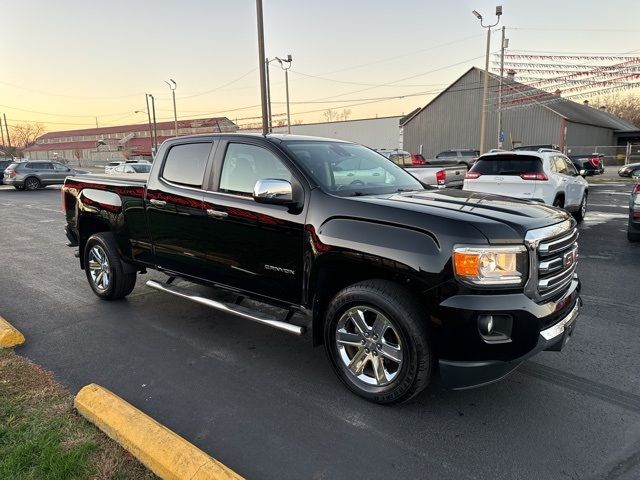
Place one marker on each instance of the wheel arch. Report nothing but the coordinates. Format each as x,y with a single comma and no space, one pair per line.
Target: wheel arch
87,226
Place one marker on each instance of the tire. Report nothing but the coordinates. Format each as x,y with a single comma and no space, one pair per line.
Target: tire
559,202
115,283
31,183
397,344
582,210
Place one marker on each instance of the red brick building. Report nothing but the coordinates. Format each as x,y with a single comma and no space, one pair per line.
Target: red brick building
117,143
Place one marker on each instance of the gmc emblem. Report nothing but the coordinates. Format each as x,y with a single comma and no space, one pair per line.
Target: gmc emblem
570,258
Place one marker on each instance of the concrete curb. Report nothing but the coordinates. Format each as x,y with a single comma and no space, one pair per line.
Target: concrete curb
9,335
164,452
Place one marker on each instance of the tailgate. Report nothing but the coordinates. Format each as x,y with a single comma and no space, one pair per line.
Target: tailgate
507,185
455,175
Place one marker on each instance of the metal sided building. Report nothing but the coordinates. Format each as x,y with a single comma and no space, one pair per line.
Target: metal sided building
529,116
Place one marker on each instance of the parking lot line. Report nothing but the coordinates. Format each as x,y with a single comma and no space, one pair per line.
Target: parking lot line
164,452
9,335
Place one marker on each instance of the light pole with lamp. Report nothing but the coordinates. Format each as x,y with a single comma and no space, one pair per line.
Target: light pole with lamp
173,86
261,63
155,126
150,127
485,88
286,68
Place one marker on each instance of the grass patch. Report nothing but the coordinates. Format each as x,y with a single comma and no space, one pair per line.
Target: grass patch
42,436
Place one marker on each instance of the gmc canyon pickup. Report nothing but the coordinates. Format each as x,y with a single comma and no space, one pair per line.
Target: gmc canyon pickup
397,281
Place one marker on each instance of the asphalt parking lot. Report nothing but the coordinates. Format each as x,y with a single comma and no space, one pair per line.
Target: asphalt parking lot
267,405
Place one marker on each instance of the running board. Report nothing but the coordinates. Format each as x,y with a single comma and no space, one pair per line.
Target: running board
229,308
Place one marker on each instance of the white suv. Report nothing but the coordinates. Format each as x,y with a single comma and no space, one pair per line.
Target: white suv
545,176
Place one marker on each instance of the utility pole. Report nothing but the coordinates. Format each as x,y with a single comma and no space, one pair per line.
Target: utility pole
6,128
268,81
503,45
288,61
155,126
263,77
2,132
97,123
173,86
485,88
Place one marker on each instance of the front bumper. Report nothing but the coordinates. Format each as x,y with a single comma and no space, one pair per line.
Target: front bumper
462,374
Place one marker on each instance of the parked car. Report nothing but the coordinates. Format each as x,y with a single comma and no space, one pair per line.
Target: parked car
429,173
131,168
32,175
545,176
3,165
402,157
111,165
629,170
457,156
536,148
588,163
391,277
633,230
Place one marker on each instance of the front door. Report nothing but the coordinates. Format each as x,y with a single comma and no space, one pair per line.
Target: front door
251,246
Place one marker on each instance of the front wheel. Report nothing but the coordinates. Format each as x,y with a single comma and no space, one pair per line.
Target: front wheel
104,268
377,339
582,210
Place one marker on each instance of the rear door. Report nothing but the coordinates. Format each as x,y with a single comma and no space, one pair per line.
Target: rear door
174,207
42,170
504,174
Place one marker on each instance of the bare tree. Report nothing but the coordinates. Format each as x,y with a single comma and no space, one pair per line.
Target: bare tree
346,113
626,107
329,115
24,135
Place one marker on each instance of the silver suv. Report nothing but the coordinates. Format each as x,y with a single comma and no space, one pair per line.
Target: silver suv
34,175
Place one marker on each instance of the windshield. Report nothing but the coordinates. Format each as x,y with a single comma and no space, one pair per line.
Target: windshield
141,168
348,169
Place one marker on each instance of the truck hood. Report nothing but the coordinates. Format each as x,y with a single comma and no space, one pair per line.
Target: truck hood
500,219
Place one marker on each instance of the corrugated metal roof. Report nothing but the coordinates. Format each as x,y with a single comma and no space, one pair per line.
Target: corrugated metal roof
572,111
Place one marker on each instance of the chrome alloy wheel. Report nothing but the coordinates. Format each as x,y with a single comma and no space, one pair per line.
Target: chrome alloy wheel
583,207
369,345
99,268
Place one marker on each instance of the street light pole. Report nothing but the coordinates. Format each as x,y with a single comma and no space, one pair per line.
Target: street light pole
288,61
485,88
503,45
150,128
268,75
155,126
173,86
263,78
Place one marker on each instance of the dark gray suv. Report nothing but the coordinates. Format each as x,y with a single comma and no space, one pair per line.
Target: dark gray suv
33,175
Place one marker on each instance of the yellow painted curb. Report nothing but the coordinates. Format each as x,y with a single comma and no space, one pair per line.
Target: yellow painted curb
9,336
164,452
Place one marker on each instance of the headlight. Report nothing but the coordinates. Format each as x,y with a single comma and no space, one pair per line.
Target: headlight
490,266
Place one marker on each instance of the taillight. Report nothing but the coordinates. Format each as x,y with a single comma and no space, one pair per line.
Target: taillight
595,161
472,175
11,173
533,176
417,160
636,189
441,176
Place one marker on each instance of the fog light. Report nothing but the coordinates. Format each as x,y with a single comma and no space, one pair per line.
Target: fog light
495,328
485,324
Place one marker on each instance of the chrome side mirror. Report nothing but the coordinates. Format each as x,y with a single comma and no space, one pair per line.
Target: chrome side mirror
273,191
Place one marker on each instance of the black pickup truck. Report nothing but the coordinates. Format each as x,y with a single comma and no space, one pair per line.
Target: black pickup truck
397,281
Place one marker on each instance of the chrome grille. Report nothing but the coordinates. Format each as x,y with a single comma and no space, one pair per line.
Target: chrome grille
554,253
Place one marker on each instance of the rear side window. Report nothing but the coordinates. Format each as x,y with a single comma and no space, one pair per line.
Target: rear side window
469,154
185,164
39,166
507,165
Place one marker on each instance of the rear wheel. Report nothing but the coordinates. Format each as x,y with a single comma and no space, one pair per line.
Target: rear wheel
582,211
376,336
31,183
558,202
104,268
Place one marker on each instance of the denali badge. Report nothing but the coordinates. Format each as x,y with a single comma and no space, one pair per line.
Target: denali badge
279,269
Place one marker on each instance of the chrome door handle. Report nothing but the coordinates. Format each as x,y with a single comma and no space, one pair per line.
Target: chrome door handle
157,203
216,213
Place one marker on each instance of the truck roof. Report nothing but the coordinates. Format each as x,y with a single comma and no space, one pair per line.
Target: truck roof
271,136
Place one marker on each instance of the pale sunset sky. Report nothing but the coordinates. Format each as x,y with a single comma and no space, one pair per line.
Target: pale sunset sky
65,62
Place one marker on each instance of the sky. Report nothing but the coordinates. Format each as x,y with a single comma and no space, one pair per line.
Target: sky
66,62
